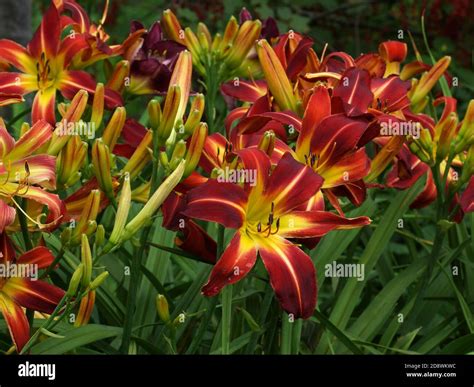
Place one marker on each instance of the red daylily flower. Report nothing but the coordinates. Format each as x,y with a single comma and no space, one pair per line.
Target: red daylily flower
26,175
265,217
44,67
25,292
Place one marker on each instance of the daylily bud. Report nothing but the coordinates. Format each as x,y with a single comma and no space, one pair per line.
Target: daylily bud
98,105
425,141
182,77
444,134
392,52
204,31
216,42
230,33
73,114
99,280
244,41
178,154
70,161
384,157
140,157
119,77
66,236
86,260
89,213
267,142
114,127
164,159
420,152
278,82
195,115
122,214
76,279
100,235
195,148
156,200
154,114
162,308
170,111
203,42
101,161
192,42
171,25
428,80
85,309
465,136
180,319
141,193
468,167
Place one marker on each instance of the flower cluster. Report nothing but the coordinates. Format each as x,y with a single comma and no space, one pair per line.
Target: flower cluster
251,129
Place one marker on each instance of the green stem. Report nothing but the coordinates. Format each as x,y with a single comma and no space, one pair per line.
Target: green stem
51,318
24,227
212,88
136,262
30,314
226,318
296,336
226,299
286,334
18,117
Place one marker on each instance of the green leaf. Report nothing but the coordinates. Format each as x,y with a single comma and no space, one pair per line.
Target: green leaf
336,242
253,325
460,346
405,341
318,316
350,295
75,338
383,304
466,311
44,331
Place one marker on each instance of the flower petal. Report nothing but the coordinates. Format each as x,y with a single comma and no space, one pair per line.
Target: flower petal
467,197
7,215
17,55
290,185
354,90
197,241
17,83
46,39
292,275
40,256
36,295
307,224
244,90
318,107
73,81
238,259
16,321
217,202
33,139
353,166
44,106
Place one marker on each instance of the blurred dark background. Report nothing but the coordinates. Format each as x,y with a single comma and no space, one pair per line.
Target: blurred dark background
352,26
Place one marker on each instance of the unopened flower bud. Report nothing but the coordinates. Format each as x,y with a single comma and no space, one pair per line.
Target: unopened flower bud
99,280
162,308
76,279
